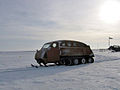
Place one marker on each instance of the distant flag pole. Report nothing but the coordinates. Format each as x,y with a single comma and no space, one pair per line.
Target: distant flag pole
109,41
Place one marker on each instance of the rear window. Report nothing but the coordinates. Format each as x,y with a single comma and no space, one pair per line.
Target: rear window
81,45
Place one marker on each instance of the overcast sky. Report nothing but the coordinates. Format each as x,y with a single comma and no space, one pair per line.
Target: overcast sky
28,24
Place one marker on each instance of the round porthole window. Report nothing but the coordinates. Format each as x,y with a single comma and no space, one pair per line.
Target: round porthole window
54,45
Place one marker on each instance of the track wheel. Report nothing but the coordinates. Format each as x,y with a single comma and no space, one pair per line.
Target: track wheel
68,62
76,61
90,60
83,61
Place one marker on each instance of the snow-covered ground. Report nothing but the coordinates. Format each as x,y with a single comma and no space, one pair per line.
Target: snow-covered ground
17,74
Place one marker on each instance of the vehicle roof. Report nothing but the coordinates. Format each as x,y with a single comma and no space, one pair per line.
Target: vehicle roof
66,41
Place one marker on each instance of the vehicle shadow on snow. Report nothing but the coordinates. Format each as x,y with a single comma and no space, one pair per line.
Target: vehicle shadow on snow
9,75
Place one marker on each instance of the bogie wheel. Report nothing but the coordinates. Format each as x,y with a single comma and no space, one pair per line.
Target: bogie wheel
76,61
68,62
83,61
90,60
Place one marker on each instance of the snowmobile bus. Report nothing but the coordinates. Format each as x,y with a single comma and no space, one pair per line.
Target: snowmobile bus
64,52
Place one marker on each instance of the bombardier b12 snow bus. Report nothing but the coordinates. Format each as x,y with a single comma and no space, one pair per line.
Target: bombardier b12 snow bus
64,52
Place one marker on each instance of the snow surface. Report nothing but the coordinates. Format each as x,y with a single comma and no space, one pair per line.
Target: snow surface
17,74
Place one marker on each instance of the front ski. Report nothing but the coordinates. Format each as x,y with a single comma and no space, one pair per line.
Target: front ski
34,66
37,66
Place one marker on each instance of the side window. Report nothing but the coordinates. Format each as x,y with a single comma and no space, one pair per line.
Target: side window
63,44
75,44
69,44
54,45
81,45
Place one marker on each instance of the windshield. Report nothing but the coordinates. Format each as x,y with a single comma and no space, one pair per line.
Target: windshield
46,45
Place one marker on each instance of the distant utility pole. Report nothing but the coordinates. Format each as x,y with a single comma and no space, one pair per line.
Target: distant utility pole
109,41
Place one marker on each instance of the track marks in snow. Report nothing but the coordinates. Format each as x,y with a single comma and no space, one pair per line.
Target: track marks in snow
64,80
29,72
38,82
102,58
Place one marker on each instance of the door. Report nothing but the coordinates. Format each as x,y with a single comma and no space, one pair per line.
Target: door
53,53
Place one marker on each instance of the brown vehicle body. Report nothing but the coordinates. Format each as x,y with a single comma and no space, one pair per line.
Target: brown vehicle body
66,52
